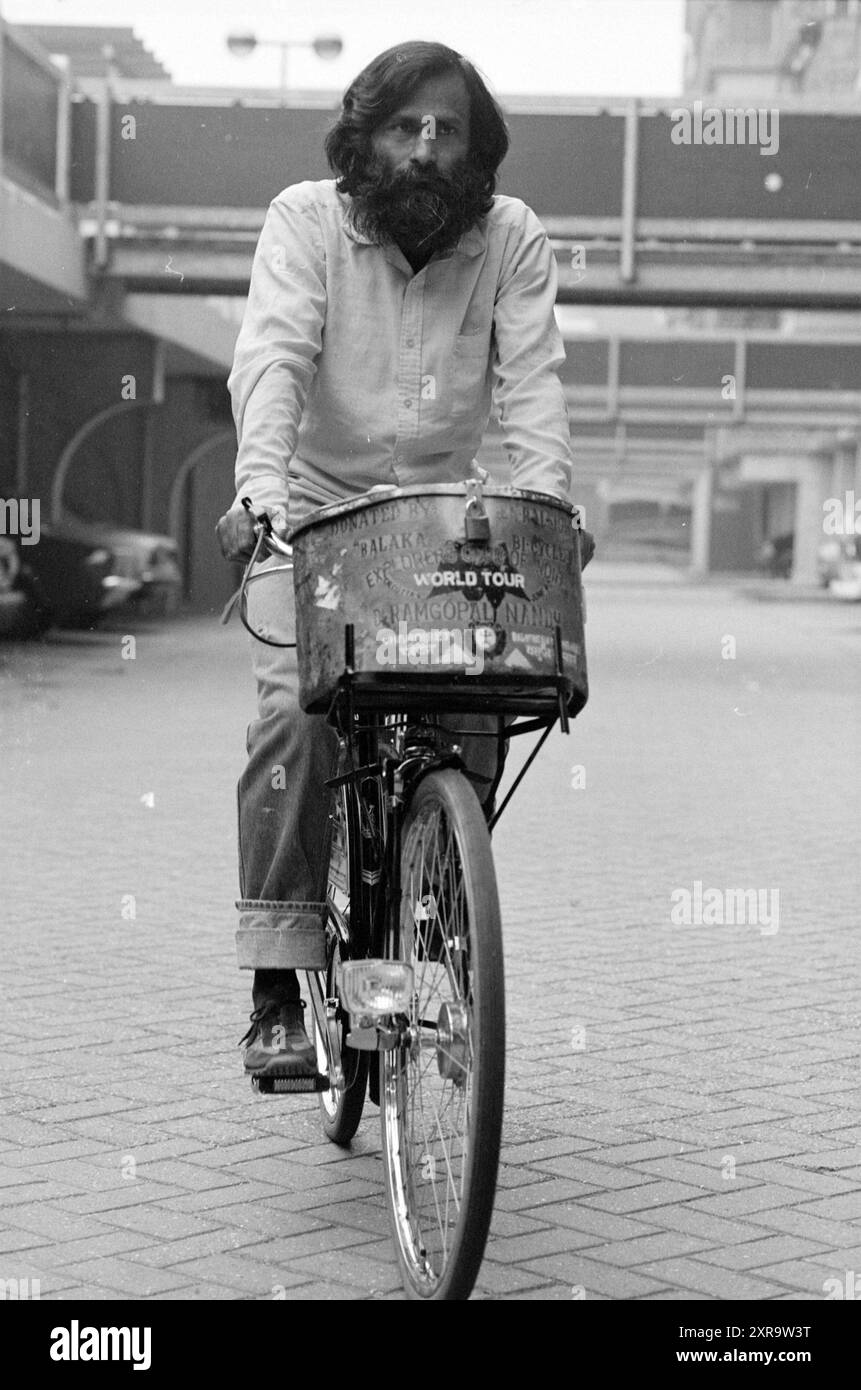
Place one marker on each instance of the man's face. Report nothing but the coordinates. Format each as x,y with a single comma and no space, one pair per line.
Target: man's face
430,129
418,187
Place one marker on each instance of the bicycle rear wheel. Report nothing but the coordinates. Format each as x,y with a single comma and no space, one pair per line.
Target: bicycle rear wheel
442,1089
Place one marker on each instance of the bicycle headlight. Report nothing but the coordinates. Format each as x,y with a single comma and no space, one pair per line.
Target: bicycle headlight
376,987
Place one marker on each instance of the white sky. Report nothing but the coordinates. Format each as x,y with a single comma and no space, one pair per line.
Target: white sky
564,47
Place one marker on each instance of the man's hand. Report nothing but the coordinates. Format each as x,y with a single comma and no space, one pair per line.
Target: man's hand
236,534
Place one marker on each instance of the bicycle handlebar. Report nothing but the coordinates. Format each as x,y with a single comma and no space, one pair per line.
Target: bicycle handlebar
275,545
271,542
269,539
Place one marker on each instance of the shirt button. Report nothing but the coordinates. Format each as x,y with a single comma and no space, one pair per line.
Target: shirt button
407,404
411,342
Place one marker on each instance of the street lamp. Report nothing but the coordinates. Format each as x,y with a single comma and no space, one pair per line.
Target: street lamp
326,46
241,45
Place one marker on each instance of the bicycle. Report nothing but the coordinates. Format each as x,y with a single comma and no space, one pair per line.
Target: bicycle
414,968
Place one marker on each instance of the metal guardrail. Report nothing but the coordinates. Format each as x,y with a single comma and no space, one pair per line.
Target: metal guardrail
816,264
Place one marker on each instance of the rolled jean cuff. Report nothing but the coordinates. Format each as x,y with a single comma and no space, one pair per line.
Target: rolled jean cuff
280,936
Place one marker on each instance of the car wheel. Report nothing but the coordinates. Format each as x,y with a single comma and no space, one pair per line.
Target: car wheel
10,564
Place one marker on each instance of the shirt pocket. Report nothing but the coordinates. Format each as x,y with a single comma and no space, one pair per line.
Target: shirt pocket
469,365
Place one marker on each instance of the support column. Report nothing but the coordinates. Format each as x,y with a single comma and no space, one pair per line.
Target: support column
628,248
812,490
701,520
22,440
843,468
147,481
2,84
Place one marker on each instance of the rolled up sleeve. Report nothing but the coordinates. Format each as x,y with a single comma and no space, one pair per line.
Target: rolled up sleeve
277,347
528,394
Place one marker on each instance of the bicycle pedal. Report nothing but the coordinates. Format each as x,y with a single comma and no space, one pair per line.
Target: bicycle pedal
289,1085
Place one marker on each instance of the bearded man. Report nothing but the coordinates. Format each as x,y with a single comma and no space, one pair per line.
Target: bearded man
403,271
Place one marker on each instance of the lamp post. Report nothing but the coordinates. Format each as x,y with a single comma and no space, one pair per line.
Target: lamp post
102,175
327,46
801,52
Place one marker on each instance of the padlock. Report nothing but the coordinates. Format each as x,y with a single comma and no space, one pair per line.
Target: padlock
478,527
477,523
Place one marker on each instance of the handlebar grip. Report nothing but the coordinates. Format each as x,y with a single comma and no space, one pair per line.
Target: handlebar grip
262,524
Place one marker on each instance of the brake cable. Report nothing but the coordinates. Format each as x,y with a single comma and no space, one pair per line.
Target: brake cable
263,527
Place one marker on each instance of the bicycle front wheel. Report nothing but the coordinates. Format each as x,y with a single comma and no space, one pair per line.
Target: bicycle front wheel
442,1088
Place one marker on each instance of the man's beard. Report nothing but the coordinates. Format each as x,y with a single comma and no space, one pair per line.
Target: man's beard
420,209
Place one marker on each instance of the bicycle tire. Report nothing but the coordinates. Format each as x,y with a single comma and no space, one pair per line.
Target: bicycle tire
441,1114
341,1111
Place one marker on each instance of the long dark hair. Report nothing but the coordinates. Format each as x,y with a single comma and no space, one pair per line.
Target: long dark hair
385,84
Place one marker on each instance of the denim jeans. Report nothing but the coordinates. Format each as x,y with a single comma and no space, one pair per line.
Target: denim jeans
284,805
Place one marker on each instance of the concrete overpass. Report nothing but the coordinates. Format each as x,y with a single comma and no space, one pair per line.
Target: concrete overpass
634,217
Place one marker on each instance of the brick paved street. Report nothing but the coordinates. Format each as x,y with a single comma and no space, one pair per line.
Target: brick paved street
683,1106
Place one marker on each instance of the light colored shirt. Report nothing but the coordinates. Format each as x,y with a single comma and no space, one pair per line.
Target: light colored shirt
351,371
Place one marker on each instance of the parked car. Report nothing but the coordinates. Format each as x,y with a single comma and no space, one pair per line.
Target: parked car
844,580
838,562
61,581
17,611
836,558
148,561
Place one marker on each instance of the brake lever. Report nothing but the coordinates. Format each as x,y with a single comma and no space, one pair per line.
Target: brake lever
262,524
260,519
